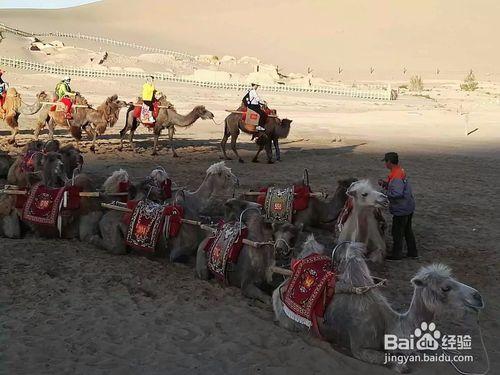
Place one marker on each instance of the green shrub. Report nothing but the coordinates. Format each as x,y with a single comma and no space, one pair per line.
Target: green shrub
416,84
470,83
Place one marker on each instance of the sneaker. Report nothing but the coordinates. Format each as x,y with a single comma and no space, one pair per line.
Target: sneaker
260,129
392,257
412,256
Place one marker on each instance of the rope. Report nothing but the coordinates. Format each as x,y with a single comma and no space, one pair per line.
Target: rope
218,124
484,351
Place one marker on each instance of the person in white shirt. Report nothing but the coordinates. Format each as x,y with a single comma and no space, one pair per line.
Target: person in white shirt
252,100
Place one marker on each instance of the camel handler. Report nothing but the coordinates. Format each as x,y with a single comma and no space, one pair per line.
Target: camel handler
401,205
252,100
148,96
65,95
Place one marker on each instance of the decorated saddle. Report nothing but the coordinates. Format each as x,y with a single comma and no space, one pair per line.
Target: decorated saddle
68,105
251,118
148,221
280,203
44,206
144,113
224,248
309,290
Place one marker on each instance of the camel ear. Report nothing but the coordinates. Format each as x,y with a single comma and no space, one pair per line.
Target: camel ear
419,283
300,228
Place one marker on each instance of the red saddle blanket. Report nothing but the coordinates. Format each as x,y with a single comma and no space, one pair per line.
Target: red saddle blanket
148,221
279,204
156,110
309,290
68,103
268,111
43,205
224,248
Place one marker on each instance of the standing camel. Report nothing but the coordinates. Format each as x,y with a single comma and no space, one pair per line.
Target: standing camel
13,107
93,121
360,321
168,118
275,129
363,223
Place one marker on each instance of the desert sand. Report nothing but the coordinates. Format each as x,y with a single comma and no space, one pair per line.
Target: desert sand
69,308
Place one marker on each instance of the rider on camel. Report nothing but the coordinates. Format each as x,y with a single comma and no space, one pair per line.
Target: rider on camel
64,95
148,96
252,100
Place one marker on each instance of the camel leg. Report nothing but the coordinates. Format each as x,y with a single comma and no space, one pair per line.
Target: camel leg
123,133
171,131
234,137
277,148
50,125
155,141
14,128
223,143
256,157
269,151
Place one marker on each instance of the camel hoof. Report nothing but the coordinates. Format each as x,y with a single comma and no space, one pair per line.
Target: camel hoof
241,161
154,153
270,162
255,161
176,156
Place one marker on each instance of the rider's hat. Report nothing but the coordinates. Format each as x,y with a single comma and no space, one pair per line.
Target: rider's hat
67,78
255,84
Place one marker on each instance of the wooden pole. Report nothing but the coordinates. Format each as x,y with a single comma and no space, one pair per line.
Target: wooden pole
257,193
83,194
241,112
281,271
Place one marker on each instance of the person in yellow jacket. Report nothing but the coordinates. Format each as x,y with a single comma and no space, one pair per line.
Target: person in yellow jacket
148,94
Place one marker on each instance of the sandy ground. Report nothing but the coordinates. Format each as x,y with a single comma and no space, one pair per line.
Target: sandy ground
68,308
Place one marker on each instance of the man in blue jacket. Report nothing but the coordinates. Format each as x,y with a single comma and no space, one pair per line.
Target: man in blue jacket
401,205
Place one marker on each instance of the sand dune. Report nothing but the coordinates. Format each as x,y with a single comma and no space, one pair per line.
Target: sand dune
387,35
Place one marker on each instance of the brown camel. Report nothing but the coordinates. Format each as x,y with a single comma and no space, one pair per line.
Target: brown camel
168,118
275,129
12,108
360,321
93,121
19,175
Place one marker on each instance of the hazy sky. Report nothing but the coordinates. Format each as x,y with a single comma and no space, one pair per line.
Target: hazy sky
42,4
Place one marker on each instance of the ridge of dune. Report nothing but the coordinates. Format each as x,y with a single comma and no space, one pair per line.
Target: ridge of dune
387,35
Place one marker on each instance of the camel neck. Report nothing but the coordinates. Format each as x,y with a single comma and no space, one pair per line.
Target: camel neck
183,120
416,314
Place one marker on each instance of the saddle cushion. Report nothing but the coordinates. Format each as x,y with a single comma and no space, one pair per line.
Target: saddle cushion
224,247
276,203
309,290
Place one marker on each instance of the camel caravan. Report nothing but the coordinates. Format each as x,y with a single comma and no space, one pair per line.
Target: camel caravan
71,110
260,241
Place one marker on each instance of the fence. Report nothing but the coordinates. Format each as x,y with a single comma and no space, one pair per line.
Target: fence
379,93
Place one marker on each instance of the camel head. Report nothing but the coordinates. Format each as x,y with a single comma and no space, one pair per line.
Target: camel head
53,170
365,195
42,96
112,183
441,293
203,113
220,178
310,246
285,236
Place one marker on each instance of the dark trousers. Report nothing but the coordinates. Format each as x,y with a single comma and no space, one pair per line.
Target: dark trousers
401,229
262,114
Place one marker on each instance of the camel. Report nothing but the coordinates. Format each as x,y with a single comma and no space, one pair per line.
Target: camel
275,129
19,176
168,118
93,121
363,224
218,180
253,268
6,162
13,107
10,226
360,321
